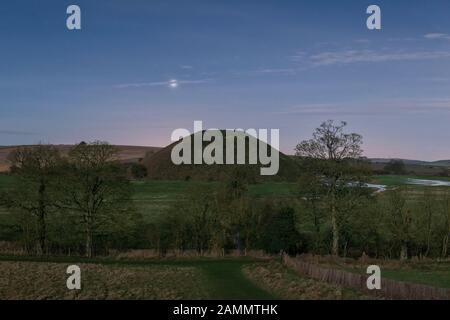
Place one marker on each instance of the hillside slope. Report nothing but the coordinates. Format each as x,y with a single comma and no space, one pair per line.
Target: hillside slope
161,167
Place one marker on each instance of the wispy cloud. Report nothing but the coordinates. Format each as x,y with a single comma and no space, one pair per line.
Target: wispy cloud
284,71
380,107
362,41
366,56
168,83
16,133
437,36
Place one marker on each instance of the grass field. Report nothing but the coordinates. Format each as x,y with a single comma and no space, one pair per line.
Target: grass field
286,284
243,279
40,280
395,180
436,275
153,198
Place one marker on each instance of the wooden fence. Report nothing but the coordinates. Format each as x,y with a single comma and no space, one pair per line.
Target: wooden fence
390,289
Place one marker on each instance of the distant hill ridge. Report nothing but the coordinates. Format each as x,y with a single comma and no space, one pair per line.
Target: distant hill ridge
158,162
438,163
130,154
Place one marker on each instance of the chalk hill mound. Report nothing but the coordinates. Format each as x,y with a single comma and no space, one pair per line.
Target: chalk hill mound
160,166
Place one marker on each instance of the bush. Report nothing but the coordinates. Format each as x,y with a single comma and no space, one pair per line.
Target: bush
281,234
138,171
395,167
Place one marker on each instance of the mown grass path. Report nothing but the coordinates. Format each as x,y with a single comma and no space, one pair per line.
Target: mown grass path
224,277
226,281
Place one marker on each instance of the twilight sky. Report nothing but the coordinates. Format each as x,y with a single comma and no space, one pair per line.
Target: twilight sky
140,69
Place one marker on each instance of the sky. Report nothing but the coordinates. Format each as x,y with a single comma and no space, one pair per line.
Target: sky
137,70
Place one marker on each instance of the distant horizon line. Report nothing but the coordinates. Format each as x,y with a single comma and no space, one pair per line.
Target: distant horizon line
161,147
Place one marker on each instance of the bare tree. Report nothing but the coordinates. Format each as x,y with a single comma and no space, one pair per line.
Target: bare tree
333,148
35,168
446,237
399,220
311,192
429,208
94,186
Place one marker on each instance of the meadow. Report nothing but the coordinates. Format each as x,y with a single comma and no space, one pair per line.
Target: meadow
153,197
427,272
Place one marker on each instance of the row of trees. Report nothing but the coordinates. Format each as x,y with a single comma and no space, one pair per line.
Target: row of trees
82,202
85,194
227,217
335,212
334,192
399,223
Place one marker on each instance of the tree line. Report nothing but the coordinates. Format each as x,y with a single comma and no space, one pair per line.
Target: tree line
65,202
334,212
81,203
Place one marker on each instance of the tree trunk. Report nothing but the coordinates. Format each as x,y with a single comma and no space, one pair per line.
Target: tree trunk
42,229
88,243
41,233
334,226
88,236
447,236
429,220
404,252
445,245
316,229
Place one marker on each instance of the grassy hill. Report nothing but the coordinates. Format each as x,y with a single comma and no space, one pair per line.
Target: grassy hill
161,167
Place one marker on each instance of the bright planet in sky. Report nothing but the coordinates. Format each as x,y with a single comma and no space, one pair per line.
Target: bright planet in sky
173,83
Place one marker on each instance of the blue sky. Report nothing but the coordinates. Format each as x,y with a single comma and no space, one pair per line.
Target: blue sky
237,64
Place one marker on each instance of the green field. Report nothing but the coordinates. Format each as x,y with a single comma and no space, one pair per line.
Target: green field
428,273
437,276
395,180
153,198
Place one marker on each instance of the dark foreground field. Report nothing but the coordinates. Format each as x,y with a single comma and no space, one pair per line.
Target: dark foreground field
242,279
199,278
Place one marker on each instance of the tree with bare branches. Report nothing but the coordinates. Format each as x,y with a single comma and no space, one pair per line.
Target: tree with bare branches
35,169
333,150
95,187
